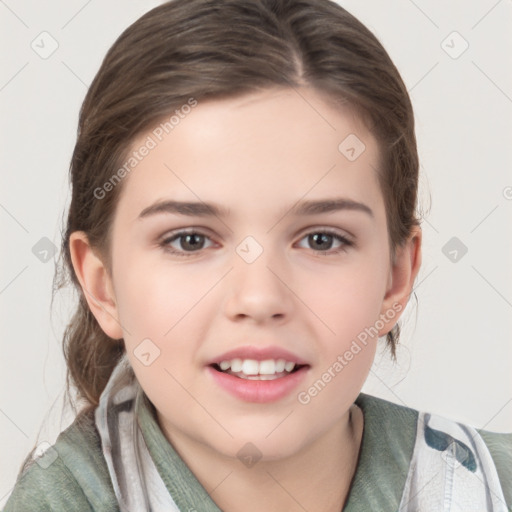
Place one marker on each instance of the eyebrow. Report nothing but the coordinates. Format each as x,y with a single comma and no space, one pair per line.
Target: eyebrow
201,209
330,205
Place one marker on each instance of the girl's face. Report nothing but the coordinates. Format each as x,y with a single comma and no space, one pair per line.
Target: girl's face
255,230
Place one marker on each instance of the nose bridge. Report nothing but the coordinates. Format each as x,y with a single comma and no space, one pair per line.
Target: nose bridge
256,288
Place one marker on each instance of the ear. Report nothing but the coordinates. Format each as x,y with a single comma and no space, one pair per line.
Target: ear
96,284
403,272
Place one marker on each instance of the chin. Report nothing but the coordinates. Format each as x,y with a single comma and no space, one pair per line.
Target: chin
259,444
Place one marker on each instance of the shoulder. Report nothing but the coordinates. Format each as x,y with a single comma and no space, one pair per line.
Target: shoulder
407,430
390,411
70,475
390,422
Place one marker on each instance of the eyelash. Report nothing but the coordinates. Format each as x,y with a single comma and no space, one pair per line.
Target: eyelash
165,243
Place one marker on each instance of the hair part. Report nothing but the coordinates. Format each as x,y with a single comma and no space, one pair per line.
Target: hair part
212,50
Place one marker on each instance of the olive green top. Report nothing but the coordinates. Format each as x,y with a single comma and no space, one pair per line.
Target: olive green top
73,475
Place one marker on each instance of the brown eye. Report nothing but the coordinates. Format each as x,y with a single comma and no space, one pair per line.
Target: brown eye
323,241
191,242
186,242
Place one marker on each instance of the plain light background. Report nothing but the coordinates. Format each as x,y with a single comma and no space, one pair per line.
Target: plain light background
455,357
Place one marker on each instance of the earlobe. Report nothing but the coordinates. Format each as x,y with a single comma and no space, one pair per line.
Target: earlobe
96,284
402,275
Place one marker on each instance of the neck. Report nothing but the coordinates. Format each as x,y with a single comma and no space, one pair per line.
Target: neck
316,479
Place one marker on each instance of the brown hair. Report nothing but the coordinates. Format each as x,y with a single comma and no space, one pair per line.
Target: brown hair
212,49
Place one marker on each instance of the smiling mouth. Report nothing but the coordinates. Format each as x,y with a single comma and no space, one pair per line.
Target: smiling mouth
251,369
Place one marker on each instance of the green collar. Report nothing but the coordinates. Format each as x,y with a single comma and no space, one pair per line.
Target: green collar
386,451
185,489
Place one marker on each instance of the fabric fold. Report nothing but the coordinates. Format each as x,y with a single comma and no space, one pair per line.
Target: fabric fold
137,484
451,470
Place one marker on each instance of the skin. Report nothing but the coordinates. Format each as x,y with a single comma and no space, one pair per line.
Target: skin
256,155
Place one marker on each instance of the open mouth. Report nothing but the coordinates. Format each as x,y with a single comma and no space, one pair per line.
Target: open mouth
258,380
251,369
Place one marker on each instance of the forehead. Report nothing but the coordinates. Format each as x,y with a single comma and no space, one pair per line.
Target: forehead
277,144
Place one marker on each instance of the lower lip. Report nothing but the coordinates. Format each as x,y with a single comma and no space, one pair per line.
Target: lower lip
259,391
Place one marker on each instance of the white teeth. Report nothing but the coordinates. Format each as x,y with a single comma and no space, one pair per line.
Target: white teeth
280,364
250,367
236,365
253,369
267,367
257,377
289,366
224,365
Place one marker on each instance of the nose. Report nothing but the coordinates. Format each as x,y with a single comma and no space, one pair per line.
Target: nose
258,291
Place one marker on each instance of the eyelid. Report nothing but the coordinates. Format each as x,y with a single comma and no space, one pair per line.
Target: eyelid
196,230
343,233
206,232
178,233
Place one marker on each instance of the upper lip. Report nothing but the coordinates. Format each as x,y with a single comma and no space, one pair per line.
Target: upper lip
258,354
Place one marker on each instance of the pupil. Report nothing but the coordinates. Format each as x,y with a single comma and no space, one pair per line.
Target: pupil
192,241
322,240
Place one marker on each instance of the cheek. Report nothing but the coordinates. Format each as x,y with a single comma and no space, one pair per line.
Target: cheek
158,310
348,299
153,298
349,307
164,313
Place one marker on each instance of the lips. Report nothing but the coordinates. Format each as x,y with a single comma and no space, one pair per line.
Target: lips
255,374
